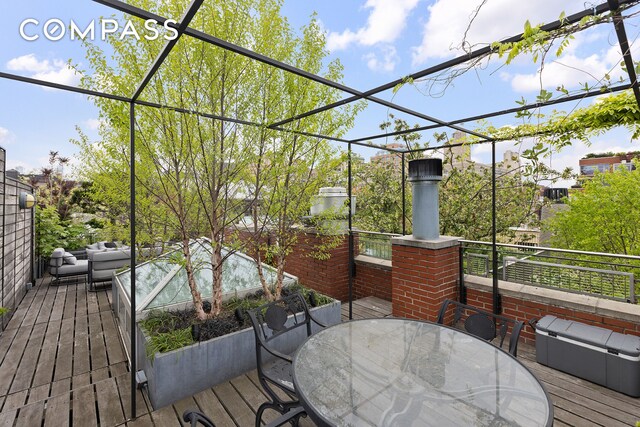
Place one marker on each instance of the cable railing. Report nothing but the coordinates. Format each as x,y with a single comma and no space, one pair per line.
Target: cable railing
374,244
612,276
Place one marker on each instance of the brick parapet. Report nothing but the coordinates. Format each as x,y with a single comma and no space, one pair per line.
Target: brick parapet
423,276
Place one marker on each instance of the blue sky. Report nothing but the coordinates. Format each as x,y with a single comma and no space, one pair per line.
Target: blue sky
376,40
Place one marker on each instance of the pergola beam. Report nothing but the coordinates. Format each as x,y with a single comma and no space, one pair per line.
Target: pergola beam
621,33
140,13
60,86
569,20
601,91
182,25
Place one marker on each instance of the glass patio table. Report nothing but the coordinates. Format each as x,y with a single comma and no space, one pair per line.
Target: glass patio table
397,372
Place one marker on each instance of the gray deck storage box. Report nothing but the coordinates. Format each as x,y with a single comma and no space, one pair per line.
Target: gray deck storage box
596,354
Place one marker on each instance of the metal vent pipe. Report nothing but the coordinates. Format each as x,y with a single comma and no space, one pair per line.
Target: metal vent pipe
424,175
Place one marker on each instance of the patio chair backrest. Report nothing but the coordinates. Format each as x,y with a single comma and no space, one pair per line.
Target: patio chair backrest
272,320
483,324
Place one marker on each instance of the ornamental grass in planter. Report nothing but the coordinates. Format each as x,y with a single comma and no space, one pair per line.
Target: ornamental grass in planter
182,355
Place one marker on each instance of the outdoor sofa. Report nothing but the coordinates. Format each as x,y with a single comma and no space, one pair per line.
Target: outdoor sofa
64,264
104,262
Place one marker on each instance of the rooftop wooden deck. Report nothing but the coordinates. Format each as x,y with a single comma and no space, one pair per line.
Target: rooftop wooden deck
62,364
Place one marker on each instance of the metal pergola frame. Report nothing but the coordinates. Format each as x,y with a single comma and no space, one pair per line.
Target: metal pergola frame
182,28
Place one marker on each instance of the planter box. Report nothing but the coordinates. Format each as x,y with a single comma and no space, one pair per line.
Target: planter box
181,373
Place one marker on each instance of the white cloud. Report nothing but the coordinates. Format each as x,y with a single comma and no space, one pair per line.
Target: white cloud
56,71
93,124
28,63
6,137
571,70
385,61
384,24
444,31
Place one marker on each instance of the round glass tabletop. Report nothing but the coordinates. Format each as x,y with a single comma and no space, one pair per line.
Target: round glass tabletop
396,372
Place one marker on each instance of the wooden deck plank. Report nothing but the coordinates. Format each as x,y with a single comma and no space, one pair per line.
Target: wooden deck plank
35,306
109,408
119,369
581,387
57,411
30,415
60,386
47,360
7,418
124,390
21,311
87,316
100,374
115,351
84,406
182,405
70,303
165,417
96,341
39,393
211,406
92,302
253,395
240,412
28,361
81,346
81,380
58,305
379,305
81,301
142,421
5,341
47,306
64,360
15,401
12,359
103,300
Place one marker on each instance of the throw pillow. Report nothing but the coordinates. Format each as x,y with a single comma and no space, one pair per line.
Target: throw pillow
110,245
70,259
92,246
101,245
57,257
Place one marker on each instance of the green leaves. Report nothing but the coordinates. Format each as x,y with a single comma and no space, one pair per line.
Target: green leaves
603,216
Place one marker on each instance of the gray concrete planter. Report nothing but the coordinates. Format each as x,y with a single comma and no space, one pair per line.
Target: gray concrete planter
180,373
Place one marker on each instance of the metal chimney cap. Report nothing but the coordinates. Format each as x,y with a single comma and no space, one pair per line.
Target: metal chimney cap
425,170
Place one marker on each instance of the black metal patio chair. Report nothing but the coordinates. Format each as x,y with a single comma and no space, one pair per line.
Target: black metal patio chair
271,321
483,324
195,418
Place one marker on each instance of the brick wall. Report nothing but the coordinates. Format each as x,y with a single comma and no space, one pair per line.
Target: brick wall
372,278
330,276
424,274
523,303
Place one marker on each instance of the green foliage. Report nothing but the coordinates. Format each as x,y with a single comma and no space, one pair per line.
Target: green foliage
52,233
196,176
603,217
378,191
165,328
168,341
3,311
49,230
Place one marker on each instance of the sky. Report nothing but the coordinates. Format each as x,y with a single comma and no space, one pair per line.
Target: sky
377,41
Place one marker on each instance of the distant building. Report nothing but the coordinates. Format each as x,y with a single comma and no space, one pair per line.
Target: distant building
459,157
384,156
605,162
